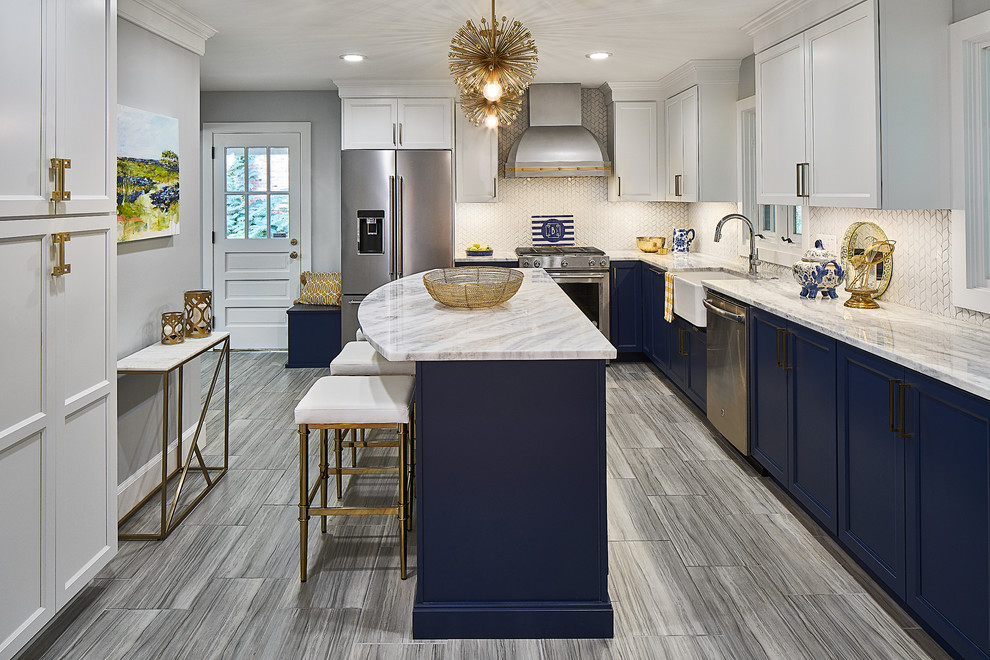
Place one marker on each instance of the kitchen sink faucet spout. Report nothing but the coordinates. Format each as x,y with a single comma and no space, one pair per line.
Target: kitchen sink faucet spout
753,261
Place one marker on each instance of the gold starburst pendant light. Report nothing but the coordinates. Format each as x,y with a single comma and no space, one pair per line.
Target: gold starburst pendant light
479,109
495,61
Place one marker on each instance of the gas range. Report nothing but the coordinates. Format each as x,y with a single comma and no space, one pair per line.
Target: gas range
570,258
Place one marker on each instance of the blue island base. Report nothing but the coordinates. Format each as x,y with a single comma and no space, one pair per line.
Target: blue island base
512,621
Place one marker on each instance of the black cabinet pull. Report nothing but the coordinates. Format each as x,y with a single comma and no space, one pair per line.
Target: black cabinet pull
902,389
891,405
779,330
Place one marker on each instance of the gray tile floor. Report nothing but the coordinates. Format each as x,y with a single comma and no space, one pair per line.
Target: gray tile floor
707,558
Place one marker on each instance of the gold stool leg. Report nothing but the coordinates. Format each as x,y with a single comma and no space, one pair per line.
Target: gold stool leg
364,439
303,498
338,451
408,468
354,447
323,478
402,499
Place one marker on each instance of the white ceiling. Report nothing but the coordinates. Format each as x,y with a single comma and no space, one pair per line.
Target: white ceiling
296,44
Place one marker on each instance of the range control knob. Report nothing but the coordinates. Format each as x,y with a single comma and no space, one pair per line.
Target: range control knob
563,264
591,262
603,263
524,263
536,263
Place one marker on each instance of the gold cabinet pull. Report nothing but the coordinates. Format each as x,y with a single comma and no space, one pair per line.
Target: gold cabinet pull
797,182
891,388
677,185
60,165
784,356
902,431
400,133
61,268
620,185
393,135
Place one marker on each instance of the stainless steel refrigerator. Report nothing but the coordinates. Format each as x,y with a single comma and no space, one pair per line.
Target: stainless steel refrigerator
396,219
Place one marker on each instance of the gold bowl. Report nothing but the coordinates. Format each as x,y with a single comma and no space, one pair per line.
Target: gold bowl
650,243
482,286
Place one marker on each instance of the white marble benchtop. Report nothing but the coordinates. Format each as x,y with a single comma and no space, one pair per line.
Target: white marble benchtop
540,322
497,255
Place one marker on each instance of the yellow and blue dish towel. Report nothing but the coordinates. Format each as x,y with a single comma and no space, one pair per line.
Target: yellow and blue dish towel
668,297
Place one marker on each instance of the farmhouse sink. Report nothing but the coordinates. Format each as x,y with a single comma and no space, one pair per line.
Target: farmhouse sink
689,294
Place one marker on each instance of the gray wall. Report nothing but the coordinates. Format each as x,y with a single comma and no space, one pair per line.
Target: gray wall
158,76
747,77
965,8
322,111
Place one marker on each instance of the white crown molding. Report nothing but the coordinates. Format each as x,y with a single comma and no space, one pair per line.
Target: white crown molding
631,91
396,88
168,21
792,17
696,72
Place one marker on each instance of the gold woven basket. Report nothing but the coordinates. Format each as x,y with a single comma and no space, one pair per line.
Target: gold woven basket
484,286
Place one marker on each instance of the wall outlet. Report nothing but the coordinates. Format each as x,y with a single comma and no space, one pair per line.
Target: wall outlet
829,241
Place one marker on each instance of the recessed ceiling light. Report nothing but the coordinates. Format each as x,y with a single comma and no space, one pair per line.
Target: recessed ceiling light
352,57
598,56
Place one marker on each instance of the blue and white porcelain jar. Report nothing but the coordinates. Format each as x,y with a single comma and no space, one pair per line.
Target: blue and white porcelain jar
818,271
682,242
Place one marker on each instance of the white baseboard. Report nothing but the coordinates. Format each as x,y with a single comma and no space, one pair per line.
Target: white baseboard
144,480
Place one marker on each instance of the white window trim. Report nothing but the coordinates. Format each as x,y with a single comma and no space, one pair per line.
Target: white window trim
305,181
771,250
970,215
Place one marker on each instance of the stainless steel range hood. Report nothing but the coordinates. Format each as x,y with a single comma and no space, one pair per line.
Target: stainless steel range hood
556,144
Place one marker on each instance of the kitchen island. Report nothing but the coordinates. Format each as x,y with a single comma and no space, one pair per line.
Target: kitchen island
510,460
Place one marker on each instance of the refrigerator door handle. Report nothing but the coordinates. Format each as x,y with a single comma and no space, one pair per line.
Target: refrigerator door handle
398,234
391,227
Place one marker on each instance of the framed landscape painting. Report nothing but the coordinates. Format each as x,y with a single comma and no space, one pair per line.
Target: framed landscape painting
147,175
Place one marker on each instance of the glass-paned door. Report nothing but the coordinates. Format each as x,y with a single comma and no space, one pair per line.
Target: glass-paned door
256,208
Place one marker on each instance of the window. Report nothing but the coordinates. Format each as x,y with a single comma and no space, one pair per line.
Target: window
971,162
257,192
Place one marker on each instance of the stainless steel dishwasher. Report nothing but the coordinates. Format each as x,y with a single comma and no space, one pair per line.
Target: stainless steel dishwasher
728,402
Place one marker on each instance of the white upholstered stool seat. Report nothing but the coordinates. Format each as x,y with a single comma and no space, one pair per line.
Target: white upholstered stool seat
359,336
359,358
357,400
344,404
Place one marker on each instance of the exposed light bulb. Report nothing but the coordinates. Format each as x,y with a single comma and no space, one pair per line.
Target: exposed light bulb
492,91
491,121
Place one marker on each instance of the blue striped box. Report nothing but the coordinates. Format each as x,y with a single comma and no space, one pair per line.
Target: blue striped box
553,230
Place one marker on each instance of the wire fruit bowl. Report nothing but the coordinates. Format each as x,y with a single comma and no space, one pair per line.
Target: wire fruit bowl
473,286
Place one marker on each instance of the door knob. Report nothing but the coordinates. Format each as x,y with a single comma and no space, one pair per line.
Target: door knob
293,242
293,254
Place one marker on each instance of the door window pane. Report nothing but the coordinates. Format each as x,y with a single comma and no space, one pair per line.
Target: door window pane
257,216
235,216
280,216
235,169
279,168
258,168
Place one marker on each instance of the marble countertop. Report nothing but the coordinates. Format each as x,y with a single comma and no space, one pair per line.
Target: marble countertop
497,255
681,261
540,322
160,358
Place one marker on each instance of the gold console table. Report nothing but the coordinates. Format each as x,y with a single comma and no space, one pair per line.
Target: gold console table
162,360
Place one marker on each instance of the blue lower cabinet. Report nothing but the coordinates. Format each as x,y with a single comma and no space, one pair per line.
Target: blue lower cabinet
697,382
314,335
871,465
647,276
947,440
769,398
626,307
660,328
810,364
679,358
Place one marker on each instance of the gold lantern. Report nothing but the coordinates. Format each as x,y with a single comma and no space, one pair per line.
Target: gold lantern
173,327
199,313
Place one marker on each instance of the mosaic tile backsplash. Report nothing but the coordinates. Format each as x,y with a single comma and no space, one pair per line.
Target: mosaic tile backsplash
922,275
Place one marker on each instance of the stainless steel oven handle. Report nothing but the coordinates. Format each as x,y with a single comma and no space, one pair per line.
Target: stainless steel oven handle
717,311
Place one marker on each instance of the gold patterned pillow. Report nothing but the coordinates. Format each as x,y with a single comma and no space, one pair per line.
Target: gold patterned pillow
319,289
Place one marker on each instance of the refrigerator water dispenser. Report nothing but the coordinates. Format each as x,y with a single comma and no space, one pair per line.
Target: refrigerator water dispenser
371,232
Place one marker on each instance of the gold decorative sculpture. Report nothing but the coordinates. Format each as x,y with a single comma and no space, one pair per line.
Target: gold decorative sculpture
199,313
861,282
173,327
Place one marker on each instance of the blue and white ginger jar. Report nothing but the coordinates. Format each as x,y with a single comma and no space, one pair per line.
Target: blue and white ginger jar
818,271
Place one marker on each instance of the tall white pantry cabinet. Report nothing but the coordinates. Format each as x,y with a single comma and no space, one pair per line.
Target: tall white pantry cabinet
58,420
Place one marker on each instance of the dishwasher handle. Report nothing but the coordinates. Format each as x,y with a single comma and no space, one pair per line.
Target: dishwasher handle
718,311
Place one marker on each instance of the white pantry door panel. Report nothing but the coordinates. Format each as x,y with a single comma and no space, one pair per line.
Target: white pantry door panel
25,81
23,264
84,541
26,602
82,107
843,122
85,317
780,121
256,221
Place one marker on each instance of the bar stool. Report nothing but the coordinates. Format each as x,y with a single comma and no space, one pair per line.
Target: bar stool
359,358
342,403
359,335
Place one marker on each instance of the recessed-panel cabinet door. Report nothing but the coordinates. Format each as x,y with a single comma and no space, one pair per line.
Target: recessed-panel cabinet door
675,149
661,328
871,465
82,109
635,151
25,81
948,512
425,123
691,145
369,124
626,307
769,394
780,121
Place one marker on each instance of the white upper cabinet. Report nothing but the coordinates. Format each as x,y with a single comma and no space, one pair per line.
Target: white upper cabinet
475,162
632,145
837,125
683,145
56,76
390,123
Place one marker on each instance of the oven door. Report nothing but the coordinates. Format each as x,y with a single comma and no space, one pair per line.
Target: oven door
589,291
